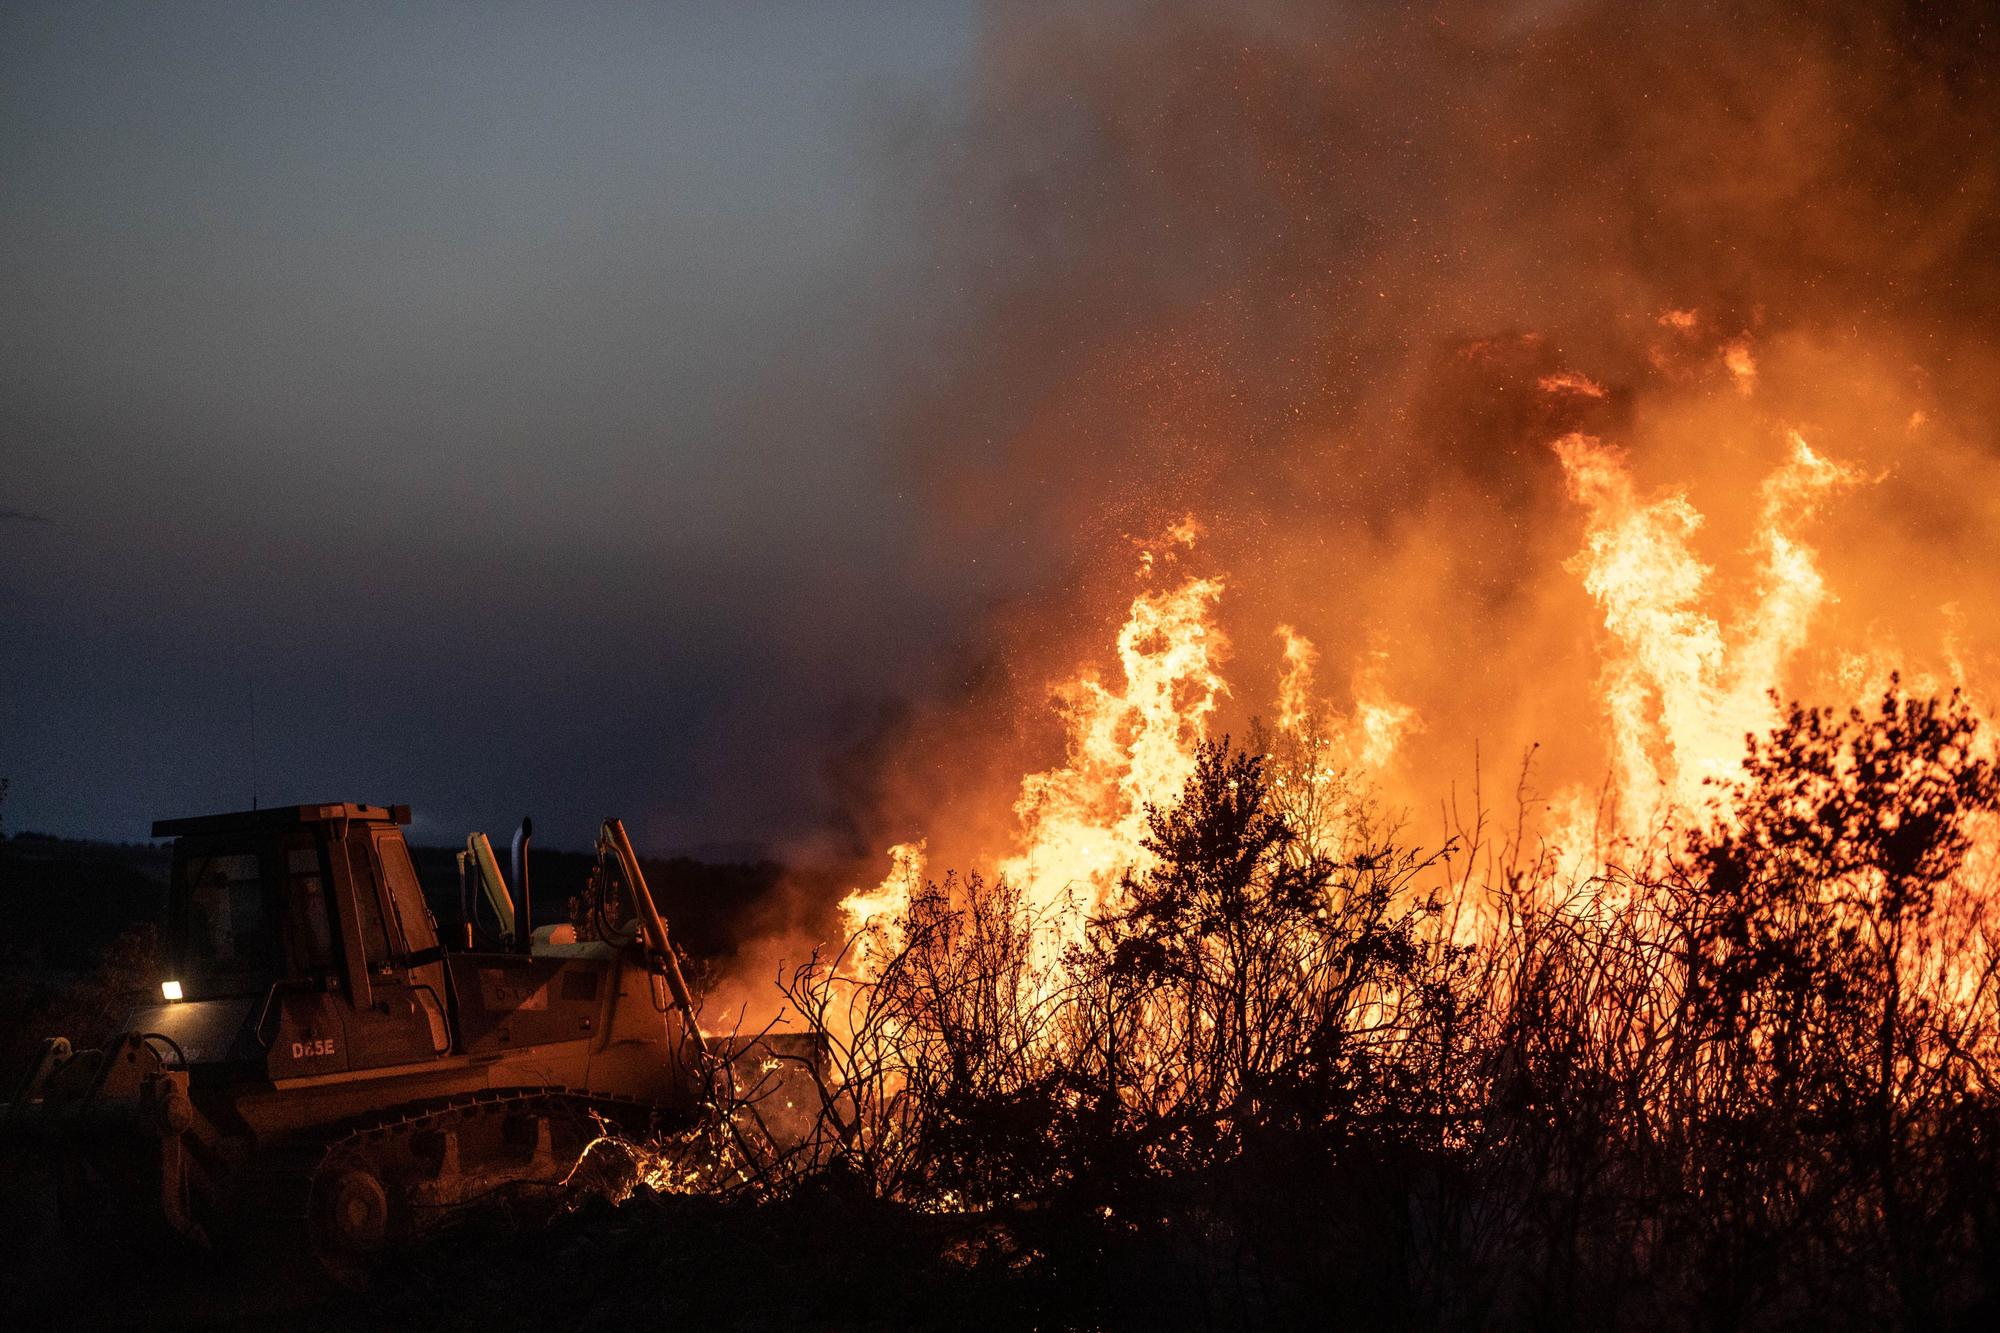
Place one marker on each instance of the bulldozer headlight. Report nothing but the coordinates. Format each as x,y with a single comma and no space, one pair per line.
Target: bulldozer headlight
171,989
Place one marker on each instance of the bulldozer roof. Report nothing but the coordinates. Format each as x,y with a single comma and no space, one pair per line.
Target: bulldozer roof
280,816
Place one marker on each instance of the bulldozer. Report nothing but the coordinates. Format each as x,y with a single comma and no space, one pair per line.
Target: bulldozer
323,1065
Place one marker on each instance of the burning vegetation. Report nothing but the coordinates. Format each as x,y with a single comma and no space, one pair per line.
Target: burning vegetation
1706,1044
1577,387
1607,389
1285,1062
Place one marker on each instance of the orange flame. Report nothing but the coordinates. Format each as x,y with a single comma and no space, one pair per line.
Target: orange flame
1131,747
873,917
1678,691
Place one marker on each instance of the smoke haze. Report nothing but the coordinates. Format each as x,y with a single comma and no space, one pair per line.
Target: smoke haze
633,414
1332,279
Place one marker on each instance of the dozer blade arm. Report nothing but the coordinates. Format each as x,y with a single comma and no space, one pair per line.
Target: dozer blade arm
490,879
53,1053
652,927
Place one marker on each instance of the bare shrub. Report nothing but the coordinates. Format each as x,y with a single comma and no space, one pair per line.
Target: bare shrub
1744,1080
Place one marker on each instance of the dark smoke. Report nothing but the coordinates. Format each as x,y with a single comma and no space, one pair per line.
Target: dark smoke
1298,269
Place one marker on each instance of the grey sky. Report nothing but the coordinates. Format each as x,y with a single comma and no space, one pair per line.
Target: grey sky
499,388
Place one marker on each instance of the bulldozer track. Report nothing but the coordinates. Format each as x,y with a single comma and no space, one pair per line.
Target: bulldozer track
396,1162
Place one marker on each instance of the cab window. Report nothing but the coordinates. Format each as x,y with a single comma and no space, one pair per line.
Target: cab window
312,920
405,895
361,863
226,931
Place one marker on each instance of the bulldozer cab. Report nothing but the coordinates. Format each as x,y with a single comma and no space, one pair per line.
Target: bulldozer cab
307,922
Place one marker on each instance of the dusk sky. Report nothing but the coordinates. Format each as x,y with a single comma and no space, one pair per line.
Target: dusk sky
494,392
736,417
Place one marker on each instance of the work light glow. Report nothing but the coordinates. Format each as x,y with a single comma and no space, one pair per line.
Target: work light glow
171,989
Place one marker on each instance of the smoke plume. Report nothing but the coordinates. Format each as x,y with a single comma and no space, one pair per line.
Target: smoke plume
1332,280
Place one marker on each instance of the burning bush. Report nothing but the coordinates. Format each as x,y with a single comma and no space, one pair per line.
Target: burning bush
1741,1081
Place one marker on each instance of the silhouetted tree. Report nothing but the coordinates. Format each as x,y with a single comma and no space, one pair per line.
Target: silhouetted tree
1744,1082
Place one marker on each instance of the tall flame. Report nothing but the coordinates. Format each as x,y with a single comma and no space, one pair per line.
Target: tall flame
1678,690
1131,746
1691,665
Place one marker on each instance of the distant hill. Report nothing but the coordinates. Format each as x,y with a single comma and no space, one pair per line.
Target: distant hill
66,900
